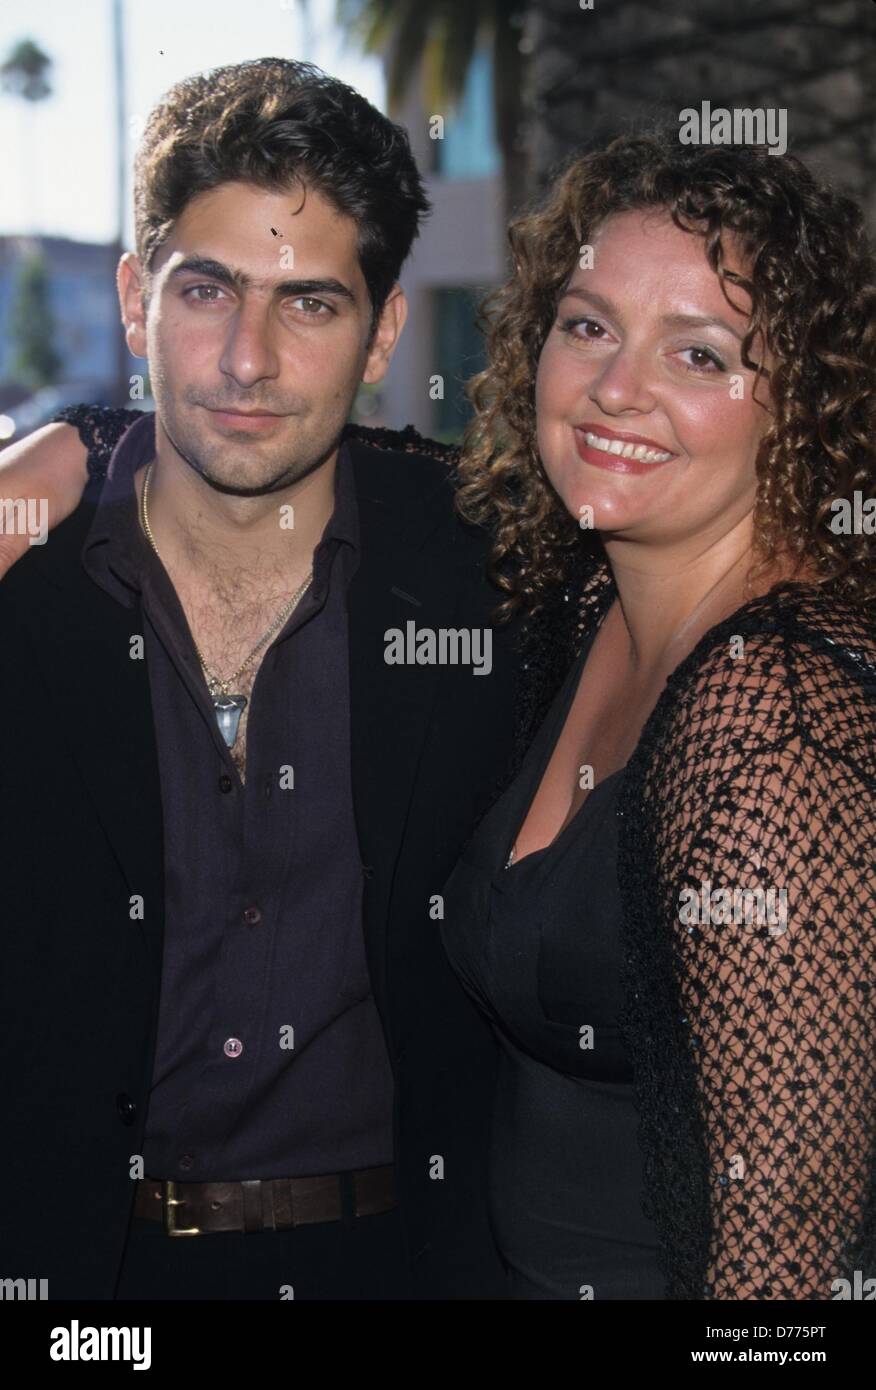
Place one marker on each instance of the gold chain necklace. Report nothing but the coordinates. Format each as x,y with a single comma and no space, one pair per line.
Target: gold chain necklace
228,707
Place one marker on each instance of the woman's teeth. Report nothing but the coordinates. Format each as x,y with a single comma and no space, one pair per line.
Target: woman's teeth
626,451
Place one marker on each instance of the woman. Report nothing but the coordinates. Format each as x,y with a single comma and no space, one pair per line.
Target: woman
669,915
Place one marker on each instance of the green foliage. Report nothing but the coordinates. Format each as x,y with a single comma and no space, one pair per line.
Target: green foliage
441,36
34,362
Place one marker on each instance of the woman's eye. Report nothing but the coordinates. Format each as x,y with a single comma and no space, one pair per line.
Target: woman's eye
706,360
569,326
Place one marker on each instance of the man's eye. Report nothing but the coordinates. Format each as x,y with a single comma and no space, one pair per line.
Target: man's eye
314,305
193,290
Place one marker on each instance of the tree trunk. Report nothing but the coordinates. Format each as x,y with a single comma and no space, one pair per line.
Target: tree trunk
595,73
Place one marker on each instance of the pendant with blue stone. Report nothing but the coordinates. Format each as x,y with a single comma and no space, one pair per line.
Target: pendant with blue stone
228,709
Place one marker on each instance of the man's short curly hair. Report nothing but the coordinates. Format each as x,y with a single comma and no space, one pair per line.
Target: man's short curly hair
810,273
277,124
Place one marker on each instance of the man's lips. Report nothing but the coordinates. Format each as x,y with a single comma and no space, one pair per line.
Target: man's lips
245,419
620,451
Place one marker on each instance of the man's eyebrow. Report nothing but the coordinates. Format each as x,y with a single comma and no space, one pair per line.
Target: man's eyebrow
239,280
672,320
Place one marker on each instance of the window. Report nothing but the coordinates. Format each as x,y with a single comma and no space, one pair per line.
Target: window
469,149
459,354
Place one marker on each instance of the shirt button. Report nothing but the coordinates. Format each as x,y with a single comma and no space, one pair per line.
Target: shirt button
126,1107
252,916
232,1047
225,783
186,1161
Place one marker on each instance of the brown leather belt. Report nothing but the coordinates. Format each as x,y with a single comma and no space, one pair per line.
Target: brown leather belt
257,1204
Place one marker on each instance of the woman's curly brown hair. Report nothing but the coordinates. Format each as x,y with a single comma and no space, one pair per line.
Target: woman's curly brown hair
811,278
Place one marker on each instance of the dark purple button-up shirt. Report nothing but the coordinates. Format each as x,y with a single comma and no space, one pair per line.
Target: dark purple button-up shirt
270,1057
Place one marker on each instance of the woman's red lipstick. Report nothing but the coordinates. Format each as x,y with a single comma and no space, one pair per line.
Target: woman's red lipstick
616,463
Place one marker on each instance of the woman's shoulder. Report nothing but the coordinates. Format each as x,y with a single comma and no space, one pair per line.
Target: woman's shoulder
816,619
798,661
782,632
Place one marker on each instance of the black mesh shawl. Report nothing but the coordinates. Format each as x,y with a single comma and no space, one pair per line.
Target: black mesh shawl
753,1042
751,1027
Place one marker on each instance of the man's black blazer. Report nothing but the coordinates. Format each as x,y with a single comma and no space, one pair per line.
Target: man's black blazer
81,834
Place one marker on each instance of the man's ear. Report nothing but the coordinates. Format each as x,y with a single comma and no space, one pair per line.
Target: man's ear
130,284
386,335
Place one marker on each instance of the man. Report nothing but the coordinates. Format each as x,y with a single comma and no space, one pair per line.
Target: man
237,1061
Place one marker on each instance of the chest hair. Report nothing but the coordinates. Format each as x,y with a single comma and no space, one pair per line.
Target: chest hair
226,620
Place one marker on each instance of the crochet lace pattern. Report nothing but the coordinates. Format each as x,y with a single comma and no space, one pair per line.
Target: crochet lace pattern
751,1041
751,1027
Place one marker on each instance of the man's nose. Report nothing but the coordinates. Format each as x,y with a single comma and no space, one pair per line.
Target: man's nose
249,352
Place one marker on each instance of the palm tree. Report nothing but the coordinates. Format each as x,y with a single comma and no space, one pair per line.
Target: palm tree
436,44
121,359
25,75
25,72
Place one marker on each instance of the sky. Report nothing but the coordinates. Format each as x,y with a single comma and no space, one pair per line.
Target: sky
59,167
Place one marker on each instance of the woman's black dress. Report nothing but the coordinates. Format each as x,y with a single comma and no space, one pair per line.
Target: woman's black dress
538,946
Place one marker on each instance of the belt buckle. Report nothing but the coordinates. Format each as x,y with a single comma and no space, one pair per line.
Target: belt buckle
169,1202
